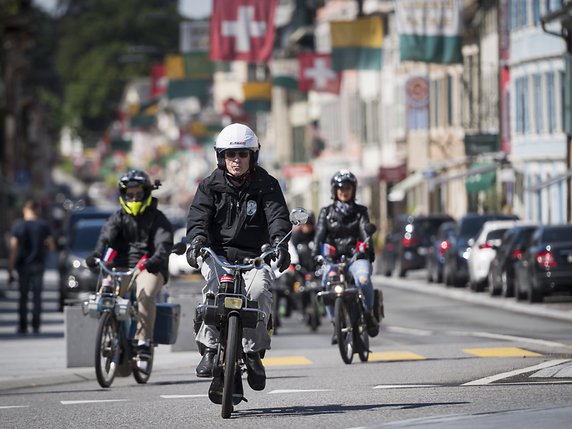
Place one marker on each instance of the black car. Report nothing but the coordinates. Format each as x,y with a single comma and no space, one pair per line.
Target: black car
441,242
68,235
406,245
77,281
546,265
501,272
455,268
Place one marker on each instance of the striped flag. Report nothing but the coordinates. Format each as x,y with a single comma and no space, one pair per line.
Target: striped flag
109,255
257,96
357,45
328,250
429,30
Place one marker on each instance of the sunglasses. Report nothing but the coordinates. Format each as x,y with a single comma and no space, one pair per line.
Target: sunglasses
231,154
135,195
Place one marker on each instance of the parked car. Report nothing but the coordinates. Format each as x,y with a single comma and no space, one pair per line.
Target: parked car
436,252
455,268
546,265
406,245
73,217
178,264
77,280
483,250
501,272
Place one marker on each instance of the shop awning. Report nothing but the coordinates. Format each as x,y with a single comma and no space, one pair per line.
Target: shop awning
399,190
549,182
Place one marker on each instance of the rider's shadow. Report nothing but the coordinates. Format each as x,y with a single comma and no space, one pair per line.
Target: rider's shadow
309,410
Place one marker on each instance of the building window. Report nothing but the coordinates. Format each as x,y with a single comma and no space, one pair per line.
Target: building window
562,104
538,113
551,101
522,14
514,14
536,12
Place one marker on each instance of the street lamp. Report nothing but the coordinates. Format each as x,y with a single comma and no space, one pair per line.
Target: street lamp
564,17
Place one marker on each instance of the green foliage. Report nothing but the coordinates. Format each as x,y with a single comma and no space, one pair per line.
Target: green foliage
104,44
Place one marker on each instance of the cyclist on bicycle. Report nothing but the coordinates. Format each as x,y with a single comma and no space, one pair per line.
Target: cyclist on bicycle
342,224
237,209
139,228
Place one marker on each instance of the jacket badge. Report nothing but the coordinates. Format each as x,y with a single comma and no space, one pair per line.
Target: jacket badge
250,207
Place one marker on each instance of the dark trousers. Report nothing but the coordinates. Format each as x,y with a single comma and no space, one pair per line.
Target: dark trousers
31,279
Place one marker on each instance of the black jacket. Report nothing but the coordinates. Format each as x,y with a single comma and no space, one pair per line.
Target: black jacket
134,236
237,222
342,230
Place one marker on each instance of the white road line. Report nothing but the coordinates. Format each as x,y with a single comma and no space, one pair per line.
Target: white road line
184,396
409,331
492,378
404,386
7,407
92,401
515,338
298,391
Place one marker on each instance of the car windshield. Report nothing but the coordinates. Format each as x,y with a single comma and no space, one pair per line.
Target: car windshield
471,227
85,238
557,235
427,227
496,234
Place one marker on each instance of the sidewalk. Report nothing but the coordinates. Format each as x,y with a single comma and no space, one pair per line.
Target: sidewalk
40,360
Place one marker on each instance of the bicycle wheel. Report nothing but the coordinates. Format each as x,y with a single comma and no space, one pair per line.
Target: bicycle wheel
363,338
343,327
107,350
230,358
142,367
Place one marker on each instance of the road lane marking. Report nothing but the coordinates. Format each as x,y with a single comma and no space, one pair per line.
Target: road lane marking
92,401
409,331
391,356
7,407
286,360
516,338
501,352
487,380
298,391
203,395
404,386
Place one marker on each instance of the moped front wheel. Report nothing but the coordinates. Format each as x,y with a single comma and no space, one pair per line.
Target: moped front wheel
363,338
230,359
343,326
107,349
313,312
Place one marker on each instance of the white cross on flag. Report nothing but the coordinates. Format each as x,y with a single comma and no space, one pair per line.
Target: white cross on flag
242,30
316,73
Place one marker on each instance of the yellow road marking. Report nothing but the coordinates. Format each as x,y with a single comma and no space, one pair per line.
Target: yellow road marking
388,356
286,360
501,352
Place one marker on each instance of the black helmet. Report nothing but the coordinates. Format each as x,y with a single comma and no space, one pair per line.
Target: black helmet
341,178
134,179
311,218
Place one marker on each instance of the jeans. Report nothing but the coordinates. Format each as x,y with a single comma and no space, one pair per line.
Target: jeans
361,271
31,279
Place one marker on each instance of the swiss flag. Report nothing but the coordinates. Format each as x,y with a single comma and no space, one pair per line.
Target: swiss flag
316,73
242,30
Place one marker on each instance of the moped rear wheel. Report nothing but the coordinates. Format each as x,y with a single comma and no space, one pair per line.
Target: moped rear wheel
363,338
142,368
313,312
230,359
343,326
107,349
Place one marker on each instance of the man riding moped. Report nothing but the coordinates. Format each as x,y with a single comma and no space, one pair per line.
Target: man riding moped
236,210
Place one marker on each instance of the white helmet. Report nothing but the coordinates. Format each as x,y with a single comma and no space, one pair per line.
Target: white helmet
236,136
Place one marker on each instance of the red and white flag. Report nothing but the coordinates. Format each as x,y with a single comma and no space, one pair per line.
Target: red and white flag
316,73
242,30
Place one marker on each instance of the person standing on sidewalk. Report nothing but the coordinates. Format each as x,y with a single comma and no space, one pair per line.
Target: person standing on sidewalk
30,241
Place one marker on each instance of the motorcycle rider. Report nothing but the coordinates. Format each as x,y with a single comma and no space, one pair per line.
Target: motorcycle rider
342,224
139,228
236,210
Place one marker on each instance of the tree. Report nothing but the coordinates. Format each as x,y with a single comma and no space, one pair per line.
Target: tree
104,44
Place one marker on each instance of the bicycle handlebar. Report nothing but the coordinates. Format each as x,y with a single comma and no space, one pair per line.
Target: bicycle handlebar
257,262
114,272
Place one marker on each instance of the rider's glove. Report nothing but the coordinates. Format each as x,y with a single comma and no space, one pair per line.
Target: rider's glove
282,258
153,265
91,261
193,251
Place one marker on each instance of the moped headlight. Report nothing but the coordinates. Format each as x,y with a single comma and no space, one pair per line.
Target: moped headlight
338,289
233,303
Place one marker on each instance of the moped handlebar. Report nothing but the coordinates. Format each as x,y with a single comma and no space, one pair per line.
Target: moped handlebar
114,272
250,264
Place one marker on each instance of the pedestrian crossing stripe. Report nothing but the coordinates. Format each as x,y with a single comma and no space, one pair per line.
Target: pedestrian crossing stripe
394,356
501,352
286,360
